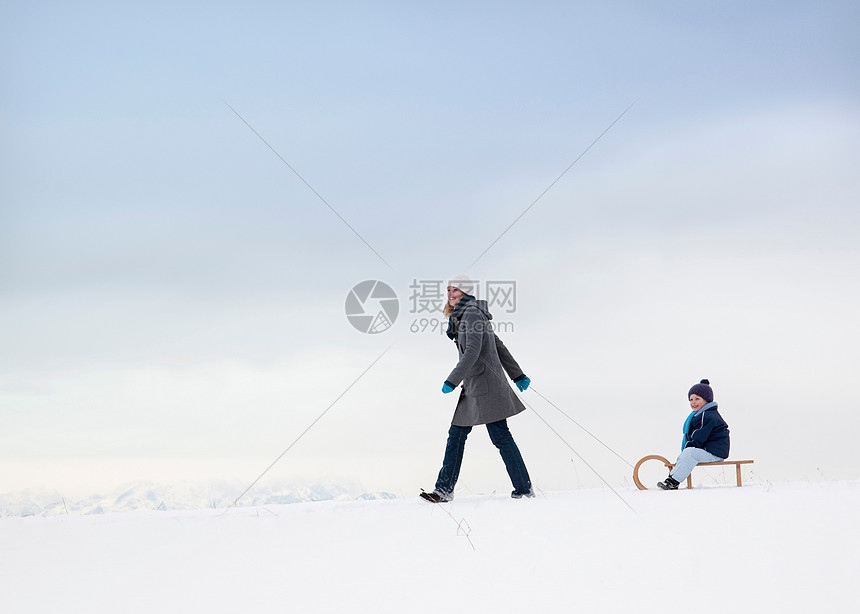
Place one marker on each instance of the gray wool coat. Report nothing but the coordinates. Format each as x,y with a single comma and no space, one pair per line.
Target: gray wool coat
486,395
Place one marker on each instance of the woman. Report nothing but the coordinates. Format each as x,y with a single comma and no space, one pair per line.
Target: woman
486,397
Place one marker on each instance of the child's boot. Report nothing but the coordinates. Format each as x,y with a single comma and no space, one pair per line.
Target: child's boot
669,483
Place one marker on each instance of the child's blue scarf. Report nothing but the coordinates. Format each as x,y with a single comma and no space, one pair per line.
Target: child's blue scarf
690,419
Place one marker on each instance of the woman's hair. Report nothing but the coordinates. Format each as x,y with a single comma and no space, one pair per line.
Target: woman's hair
448,310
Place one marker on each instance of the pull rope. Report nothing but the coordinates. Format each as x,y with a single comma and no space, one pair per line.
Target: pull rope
579,456
582,427
557,434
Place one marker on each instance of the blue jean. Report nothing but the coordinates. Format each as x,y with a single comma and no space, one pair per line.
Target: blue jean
689,458
501,438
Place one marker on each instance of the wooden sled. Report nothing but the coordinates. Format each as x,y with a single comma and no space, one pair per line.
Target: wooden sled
641,486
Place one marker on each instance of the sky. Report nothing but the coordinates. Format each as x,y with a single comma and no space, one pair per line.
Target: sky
189,192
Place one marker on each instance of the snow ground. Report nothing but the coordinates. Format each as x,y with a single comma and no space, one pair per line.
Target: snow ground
785,547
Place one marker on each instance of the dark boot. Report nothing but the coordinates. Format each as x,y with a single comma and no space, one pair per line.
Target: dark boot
437,496
669,483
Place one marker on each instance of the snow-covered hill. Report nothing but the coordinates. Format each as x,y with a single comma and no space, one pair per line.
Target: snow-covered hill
788,547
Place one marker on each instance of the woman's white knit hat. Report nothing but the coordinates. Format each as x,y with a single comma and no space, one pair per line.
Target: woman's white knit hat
462,283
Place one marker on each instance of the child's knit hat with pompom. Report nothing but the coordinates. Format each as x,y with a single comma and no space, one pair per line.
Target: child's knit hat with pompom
703,389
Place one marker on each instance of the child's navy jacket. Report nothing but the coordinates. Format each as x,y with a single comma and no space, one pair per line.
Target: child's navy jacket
706,429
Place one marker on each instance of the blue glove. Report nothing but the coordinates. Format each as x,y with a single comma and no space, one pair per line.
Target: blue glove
447,387
522,382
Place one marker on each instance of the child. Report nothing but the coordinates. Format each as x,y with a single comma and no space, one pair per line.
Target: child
706,436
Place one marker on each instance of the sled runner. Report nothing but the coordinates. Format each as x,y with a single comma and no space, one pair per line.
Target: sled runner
736,463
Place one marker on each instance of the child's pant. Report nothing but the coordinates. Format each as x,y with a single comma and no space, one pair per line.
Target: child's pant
689,458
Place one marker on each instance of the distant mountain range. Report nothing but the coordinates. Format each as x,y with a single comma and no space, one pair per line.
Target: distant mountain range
181,496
